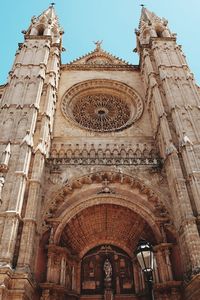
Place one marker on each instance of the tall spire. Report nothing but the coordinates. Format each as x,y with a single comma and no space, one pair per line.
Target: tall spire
148,16
46,24
151,26
50,13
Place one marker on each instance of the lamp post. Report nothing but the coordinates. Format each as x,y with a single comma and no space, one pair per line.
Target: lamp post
144,253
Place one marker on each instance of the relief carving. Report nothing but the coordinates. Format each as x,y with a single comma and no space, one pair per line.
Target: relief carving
109,154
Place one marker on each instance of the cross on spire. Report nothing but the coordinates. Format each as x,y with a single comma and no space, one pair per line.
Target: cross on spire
52,4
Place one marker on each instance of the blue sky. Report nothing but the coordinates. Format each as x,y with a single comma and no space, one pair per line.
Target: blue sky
112,21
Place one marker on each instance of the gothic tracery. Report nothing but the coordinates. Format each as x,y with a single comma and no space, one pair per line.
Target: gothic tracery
102,105
101,112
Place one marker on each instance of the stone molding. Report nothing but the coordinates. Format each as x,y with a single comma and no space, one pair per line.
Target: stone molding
131,185
117,161
87,67
103,154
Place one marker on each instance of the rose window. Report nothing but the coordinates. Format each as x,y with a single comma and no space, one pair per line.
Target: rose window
102,105
101,112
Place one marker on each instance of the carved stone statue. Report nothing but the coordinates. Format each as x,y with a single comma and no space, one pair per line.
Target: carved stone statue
98,44
107,269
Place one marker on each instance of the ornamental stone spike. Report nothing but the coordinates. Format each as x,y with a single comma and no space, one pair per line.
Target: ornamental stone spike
46,24
2,181
6,155
28,139
151,26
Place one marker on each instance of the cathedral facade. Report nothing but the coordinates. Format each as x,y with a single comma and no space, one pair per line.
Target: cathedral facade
94,156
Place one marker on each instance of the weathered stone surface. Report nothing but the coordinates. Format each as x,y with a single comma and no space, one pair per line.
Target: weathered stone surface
97,154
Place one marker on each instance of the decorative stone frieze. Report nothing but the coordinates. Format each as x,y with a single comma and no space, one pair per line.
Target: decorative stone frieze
109,154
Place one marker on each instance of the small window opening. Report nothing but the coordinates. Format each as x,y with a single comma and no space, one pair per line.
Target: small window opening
40,31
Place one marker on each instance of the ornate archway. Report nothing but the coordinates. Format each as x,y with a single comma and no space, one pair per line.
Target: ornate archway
104,209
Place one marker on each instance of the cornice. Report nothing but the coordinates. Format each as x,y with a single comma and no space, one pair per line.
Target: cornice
157,39
38,37
87,67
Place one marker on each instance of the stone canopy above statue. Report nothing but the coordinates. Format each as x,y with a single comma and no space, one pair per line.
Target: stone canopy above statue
106,267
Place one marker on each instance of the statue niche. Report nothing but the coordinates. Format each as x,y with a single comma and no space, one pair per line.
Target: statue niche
106,267
108,273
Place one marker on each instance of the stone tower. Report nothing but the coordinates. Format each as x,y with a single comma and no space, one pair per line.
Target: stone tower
95,155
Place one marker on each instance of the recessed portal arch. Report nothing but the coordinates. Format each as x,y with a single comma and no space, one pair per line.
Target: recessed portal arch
127,206
86,214
105,223
89,216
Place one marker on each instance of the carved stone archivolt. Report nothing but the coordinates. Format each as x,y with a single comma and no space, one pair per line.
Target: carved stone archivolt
102,105
120,188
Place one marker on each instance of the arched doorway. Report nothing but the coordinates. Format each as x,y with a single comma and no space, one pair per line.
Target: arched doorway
117,218
106,231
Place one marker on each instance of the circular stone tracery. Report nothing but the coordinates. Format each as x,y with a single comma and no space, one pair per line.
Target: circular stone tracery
101,112
102,105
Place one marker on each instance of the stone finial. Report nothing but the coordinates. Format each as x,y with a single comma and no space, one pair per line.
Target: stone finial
2,181
152,26
185,140
46,24
5,157
41,147
28,139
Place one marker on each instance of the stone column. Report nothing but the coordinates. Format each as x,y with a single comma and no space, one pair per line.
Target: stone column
163,261
136,277
49,269
155,272
168,263
79,277
13,213
63,271
161,266
30,220
73,278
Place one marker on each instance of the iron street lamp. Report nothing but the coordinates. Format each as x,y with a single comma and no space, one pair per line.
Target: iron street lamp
144,253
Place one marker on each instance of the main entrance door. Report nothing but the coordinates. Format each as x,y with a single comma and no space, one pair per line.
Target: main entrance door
104,268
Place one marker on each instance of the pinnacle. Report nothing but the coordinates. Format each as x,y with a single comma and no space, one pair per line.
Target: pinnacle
49,13
47,21
146,15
